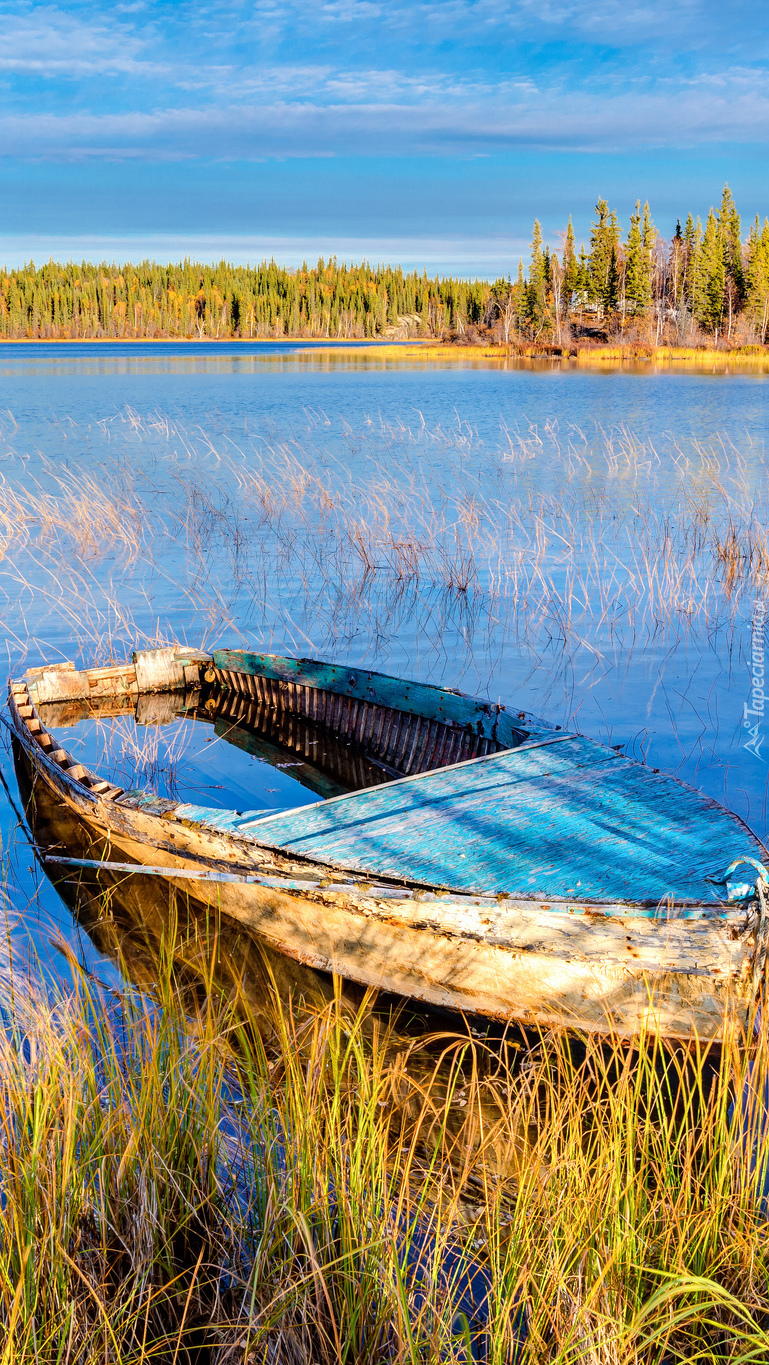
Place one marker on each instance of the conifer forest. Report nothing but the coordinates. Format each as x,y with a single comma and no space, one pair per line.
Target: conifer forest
704,285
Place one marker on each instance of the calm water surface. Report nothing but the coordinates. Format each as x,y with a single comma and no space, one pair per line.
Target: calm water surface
540,536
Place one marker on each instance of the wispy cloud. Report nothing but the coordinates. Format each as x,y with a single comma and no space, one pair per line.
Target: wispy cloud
412,82
384,113
44,40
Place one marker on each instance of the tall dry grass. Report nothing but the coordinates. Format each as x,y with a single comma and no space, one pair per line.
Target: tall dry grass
77,511
744,359
586,538
179,1186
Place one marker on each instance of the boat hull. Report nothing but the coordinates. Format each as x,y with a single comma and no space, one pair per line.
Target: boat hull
590,972
677,962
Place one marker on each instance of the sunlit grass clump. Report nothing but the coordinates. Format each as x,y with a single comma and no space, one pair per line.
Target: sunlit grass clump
417,350
179,1186
735,357
585,354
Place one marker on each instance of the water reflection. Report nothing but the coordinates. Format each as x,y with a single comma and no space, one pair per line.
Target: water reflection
460,1068
212,748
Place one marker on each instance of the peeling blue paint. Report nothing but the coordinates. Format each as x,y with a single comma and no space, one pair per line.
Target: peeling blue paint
559,820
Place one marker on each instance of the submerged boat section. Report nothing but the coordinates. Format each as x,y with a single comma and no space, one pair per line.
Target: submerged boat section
470,856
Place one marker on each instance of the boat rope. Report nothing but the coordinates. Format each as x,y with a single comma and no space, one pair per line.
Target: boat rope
212,874
761,879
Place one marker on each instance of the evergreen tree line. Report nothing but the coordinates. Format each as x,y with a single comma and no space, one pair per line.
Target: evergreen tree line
193,300
703,284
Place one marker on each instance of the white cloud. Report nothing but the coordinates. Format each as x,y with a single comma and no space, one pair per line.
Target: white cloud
351,11
685,25
44,40
187,42
383,113
220,78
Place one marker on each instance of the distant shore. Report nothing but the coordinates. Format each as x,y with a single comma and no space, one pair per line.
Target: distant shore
747,358
328,342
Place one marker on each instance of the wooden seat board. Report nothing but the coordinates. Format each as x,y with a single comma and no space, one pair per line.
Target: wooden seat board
554,820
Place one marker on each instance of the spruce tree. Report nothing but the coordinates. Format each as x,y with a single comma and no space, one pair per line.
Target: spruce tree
757,279
583,272
603,263
693,285
611,292
570,266
731,240
712,277
516,304
638,284
731,250
537,280
677,264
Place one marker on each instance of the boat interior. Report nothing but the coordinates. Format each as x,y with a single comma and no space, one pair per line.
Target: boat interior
345,730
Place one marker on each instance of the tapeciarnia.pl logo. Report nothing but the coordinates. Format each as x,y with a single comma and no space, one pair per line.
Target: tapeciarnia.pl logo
753,712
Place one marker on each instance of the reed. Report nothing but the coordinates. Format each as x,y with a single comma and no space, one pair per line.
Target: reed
187,1178
180,1185
733,358
321,536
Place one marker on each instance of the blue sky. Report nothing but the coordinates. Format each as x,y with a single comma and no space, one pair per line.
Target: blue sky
426,131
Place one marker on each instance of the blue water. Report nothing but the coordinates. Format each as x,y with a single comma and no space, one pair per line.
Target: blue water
221,383
497,528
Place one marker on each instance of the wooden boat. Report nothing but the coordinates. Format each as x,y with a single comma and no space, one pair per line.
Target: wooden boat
483,862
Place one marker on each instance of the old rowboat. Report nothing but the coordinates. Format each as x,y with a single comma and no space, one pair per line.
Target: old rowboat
486,862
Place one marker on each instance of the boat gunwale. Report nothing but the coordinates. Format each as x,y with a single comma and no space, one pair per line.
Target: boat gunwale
353,902
449,705
144,802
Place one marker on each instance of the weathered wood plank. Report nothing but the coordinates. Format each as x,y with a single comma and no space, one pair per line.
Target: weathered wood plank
417,699
550,821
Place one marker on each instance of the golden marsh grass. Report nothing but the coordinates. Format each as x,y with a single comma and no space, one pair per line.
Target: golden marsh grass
734,359
176,1180
180,1183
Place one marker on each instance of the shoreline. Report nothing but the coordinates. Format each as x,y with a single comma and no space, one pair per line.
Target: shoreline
747,359
329,343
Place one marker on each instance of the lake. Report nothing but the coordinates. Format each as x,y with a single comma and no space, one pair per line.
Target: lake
590,546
